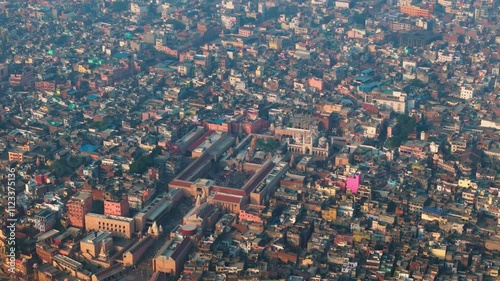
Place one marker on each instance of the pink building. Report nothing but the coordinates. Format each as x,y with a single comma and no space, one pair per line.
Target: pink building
117,208
249,216
353,183
316,83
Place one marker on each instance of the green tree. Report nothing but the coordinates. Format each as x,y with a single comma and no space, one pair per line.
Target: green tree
143,163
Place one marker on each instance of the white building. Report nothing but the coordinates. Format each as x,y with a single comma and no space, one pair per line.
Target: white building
466,92
396,101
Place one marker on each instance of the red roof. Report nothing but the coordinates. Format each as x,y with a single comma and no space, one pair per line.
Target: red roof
207,211
180,183
369,108
262,173
200,140
194,166
228,198
182,246
228,190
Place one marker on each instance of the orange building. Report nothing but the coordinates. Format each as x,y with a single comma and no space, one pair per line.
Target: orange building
414,11
218,125
16,156
78,206
45,252
245,31
316,83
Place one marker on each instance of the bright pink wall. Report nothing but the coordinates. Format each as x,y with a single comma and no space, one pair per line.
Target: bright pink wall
352,184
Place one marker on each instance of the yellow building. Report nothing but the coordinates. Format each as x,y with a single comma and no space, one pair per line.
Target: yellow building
134,253
118,226
276,44
329,214
439,253
84,69
467,183
359,236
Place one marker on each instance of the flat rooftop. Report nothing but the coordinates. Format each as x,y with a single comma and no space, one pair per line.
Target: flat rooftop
46,235
109,217
173,248
96,237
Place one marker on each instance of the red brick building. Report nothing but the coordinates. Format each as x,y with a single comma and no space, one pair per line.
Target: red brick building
78,206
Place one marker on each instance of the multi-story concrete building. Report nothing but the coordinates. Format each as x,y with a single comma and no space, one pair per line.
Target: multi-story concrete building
396,102
92,245
466,92
45,220
414,11
119,226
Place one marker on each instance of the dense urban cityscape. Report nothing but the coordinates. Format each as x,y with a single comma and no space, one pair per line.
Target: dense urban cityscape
297,140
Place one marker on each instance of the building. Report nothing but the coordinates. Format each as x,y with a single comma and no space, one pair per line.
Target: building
116,206
227,202
245,31
45,220
46,85
67,264
353,183
250,215
16,155
23,77
134,253
45,252
414,11
303,141
114,272
396,101
400,26
414,148
78,206
466,92
92,245
316,83
156,209
329,214
343,4
458,146
139,9
4,71
172,256
203,216
267,179
119,226
276,44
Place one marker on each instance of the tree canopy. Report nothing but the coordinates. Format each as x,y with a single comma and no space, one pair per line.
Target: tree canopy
405,126
143,163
